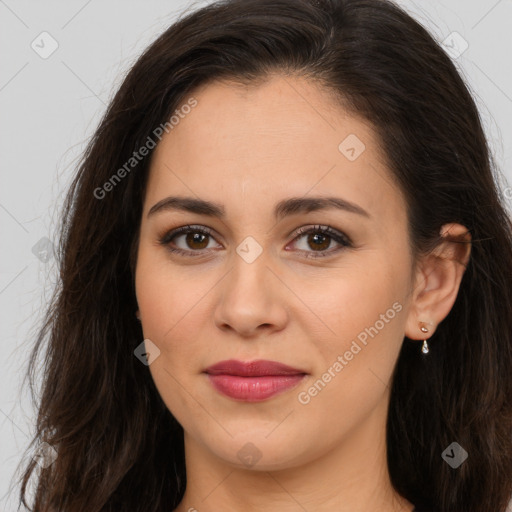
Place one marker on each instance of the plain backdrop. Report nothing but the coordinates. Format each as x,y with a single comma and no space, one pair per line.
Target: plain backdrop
60,64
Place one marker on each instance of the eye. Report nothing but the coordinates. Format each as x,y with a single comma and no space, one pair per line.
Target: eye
196,239
320,238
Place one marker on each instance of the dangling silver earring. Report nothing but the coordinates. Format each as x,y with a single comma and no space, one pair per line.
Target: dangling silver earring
424,347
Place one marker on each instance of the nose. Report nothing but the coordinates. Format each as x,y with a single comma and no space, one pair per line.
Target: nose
251,300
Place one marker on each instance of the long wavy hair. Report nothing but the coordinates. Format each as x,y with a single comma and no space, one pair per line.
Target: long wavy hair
118,446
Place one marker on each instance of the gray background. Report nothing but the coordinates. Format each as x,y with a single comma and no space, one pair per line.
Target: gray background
51,104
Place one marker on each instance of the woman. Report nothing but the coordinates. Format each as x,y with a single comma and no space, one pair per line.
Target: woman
285,278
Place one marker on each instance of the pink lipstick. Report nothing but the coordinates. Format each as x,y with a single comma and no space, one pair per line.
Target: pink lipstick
253,381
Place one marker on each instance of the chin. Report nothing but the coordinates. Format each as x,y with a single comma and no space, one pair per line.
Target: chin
258,450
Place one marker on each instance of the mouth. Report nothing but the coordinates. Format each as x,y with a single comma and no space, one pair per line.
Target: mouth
253,381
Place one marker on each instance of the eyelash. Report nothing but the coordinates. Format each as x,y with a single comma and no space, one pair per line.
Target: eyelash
335,235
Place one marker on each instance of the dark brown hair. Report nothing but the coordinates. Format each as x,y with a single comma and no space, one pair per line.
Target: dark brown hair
118,446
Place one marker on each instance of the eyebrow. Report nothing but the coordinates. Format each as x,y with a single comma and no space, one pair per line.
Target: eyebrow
286,207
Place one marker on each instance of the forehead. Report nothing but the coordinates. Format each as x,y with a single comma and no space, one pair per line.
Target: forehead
255,144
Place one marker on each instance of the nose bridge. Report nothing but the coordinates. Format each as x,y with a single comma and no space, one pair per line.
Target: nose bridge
249,274
250,297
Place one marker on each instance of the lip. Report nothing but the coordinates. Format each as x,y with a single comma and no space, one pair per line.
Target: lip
258,368
253,381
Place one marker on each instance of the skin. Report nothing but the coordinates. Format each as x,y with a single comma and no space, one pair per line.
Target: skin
249,147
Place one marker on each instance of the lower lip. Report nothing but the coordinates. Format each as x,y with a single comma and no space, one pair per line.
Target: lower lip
253,389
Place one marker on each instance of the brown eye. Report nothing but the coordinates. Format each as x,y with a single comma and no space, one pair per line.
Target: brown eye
196,240
188,240
318,239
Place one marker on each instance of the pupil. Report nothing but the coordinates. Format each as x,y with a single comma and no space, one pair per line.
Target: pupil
197,238
316,241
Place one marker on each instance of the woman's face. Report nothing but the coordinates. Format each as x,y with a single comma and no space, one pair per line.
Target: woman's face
332,306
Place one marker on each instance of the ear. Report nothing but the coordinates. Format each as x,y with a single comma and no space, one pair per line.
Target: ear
437,281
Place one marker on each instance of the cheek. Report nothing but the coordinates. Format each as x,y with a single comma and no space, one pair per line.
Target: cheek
361,305
163,294
169,302
355,364
174,306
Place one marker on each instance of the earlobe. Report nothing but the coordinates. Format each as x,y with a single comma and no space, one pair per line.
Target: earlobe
438,279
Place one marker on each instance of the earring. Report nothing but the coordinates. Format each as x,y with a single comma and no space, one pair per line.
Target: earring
137,314
424,348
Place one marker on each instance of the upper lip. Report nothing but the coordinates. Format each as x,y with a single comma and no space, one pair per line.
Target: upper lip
257,368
